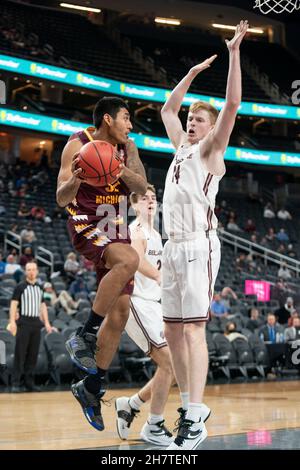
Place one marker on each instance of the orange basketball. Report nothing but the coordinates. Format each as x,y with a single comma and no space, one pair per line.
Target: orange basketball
99,163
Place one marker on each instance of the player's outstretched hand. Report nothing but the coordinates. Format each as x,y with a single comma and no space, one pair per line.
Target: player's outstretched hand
240,32
77,172
204,65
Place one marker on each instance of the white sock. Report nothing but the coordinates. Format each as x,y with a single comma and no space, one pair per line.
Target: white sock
194,412
185,400
153,419
135,402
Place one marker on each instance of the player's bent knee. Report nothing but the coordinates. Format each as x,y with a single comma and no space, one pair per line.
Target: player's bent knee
130,263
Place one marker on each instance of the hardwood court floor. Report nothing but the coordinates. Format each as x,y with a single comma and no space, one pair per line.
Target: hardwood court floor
54,420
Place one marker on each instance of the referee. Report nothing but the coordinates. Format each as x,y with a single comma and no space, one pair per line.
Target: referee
27,309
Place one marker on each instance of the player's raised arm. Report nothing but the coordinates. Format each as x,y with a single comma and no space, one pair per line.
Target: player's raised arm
226,119
68,180
171,108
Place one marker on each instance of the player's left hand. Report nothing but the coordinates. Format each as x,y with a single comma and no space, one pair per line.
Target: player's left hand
240,32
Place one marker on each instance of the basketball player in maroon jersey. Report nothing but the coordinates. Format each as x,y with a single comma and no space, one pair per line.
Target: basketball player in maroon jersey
96,225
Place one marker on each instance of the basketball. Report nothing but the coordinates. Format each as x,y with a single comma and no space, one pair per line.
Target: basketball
99,163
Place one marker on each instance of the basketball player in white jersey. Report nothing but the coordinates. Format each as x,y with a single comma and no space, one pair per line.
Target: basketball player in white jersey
191,256
145,327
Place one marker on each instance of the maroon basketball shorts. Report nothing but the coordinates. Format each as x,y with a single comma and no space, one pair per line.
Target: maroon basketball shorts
90,242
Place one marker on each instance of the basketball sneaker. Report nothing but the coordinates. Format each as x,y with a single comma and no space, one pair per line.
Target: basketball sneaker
157,434
205,414
90,404
125,416
82,351
189,435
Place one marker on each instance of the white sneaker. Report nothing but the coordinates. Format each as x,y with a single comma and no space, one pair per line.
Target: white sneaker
125,416
189,436
205,414
156,434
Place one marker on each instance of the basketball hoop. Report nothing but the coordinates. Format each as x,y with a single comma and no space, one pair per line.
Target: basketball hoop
277,6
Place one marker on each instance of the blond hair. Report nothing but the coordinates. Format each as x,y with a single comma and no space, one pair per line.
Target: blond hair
134,196
212,111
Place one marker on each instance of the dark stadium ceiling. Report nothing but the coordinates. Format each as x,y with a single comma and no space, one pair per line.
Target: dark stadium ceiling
199,13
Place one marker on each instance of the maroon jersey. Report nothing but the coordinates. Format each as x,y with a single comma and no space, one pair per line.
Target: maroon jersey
98,217
104,206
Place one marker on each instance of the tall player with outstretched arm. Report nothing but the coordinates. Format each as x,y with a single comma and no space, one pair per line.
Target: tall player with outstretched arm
191,256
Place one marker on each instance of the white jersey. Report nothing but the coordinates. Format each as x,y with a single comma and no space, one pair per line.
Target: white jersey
144,287
189,195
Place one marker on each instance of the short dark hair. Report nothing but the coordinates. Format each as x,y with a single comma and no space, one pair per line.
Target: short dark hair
108,105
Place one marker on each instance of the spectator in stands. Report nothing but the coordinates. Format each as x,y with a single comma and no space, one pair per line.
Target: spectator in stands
253,238
24,211
218,309
231,333
22,191
226,294
282,236
281,249
294,314
232,215
28,235
13,268
271,331
241,263
290,334
71,265
39,180
233,226
269,212
2,265
252,265
270,236
284,273
283,313
20,182
255,320
78,286
283,214
38,213
27,256
264,242
64,299
11,188
250,226
15,230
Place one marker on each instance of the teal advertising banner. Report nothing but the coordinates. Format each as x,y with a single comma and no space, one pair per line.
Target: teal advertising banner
37,122
129,90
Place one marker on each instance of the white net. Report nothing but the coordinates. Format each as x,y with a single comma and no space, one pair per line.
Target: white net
277,6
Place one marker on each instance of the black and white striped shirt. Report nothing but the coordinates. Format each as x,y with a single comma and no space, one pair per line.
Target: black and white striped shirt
30,298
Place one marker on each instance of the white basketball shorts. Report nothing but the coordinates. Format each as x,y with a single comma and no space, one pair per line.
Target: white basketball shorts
145,324
189,271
